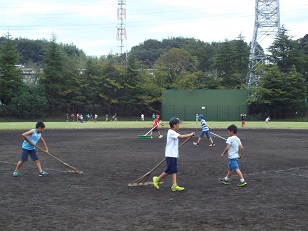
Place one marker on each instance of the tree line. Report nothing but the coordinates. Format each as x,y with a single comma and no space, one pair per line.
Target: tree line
65,80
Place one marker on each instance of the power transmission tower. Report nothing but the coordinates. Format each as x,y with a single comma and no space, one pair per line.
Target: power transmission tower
267,25
121,30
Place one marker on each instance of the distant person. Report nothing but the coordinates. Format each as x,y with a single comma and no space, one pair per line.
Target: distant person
95,117
73,117
153,116
235,152
172,155
142,117
243,119
267,120
197,118
81,118
31,138
155,126
106,117
66,118
205,131
114,117
88,117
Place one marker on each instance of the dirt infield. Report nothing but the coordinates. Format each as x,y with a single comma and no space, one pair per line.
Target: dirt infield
275,165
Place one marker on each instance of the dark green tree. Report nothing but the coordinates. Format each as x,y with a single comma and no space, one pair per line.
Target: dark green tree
10,79
279,93
53,78
32,52
172,65
231,64
286,53
29,101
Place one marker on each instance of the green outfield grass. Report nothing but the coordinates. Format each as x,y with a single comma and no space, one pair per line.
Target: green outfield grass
147,125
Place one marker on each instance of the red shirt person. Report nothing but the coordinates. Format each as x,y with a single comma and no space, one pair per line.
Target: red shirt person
155,125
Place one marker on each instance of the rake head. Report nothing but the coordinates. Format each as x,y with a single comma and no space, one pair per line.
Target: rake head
145,137
75,171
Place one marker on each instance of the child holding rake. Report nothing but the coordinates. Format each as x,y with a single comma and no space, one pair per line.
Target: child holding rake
205,131
31,138
155,124
172,154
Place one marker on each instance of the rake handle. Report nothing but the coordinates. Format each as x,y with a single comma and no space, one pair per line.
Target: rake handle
151,130
48,153
56,158
146,176
160,163
218,136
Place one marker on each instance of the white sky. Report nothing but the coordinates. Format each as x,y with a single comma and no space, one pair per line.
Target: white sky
91,24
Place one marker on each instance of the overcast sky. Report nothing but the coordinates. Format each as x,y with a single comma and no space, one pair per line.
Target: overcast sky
91,24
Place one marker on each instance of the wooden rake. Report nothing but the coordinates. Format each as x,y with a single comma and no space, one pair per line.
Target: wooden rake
72,169
142,180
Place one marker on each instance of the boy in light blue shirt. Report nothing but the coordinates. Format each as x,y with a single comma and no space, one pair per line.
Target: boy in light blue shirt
31,138
235,152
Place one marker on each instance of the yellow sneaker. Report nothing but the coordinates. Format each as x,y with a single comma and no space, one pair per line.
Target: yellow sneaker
156,182
176,188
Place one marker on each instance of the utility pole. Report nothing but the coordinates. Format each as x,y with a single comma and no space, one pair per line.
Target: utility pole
267,25
121,30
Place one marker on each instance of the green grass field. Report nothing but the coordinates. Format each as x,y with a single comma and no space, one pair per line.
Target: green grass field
147,125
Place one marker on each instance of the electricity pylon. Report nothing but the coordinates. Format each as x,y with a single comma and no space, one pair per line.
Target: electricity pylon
121,30
267,25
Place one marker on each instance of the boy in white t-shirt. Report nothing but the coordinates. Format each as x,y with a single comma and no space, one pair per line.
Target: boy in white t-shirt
235,152
172,154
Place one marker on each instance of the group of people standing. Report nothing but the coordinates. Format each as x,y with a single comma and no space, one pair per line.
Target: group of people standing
81,119
89,117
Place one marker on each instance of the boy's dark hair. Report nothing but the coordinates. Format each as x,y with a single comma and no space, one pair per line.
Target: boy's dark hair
40,124
232,128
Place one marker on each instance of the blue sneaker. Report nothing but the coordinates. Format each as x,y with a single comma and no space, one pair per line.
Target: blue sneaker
15,173
43,173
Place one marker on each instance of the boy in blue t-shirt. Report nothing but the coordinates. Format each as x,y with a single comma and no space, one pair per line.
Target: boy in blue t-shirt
235,152
205,131
31,138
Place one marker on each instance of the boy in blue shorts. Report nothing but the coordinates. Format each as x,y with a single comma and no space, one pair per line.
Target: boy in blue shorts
31,138
205,131
172,154
235,151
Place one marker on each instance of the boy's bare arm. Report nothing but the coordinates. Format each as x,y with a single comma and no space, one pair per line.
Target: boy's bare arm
186,135
25,136
225,151
241,150
45,145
